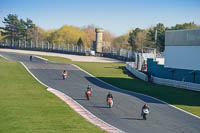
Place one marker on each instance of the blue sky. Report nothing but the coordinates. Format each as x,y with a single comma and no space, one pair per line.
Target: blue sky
117,16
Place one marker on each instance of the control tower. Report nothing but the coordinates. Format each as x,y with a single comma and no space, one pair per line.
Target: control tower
99,39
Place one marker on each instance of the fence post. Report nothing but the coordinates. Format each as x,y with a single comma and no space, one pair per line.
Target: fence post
35,44
47,45
3,43
52,46
25,44
128,55
73,48
42,46
31,44
6,42
12,43
19,43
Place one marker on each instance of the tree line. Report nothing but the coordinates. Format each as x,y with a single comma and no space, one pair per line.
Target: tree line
153,37
16,29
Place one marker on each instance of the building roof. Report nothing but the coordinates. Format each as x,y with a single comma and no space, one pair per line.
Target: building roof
189,37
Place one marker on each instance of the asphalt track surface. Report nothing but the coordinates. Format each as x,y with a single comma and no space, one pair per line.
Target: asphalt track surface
126,111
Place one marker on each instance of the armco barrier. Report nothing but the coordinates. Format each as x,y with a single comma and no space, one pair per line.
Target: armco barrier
177,84
131,68
161,81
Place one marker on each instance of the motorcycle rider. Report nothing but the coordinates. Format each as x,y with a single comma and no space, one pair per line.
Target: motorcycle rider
89,88
64,73
109,96
31,57
144,107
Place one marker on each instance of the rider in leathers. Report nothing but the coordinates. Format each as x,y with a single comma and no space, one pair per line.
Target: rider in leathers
109,96
144,107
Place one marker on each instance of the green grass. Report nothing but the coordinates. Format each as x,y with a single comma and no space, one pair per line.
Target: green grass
27,107
117,75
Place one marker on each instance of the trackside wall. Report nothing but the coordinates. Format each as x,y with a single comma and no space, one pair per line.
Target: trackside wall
157,70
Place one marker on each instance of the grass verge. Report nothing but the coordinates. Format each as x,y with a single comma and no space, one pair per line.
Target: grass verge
117,75
27,107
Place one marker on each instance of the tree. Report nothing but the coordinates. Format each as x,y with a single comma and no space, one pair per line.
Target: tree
11,27
80,42
121,42
48,35
16,29
159,39
29,26
190,25
140,39
68,35
21,29
132,36
90,33
108,38
36,34
1,37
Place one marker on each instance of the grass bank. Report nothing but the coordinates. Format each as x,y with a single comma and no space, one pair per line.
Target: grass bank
117,75
27,107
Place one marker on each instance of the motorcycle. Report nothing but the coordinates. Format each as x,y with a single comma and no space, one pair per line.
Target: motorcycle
145,112
31,57
88,94
110,102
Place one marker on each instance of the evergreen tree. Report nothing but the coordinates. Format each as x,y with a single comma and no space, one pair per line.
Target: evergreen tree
190,25
159,39
80,42
21,30
11,27
16,29
29,27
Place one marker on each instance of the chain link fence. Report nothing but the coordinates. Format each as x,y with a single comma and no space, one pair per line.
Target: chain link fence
120,54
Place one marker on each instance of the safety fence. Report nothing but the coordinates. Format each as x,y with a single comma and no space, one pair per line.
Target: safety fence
177,84
161,81
131,67
45,46
120,54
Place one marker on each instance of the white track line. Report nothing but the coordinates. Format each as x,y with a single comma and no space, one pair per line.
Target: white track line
33,75
4,57
41,58
137,93
79,109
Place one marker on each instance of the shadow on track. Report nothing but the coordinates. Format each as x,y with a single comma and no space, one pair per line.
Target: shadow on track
132,118
80,99
119,80
100,106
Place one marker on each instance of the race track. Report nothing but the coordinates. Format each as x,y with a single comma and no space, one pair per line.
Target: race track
125,113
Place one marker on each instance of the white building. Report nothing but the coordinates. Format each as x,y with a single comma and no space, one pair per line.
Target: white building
182,49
